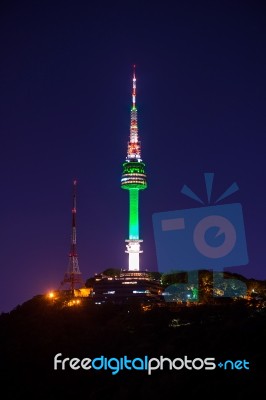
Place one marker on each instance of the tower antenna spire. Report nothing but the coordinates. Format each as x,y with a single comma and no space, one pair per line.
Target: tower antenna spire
133,179
134,88
133,148
73,278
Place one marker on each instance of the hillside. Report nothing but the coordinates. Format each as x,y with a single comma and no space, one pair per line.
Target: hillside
33,333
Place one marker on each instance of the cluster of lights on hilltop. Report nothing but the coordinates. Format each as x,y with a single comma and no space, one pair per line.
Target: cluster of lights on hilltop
133,179
54,296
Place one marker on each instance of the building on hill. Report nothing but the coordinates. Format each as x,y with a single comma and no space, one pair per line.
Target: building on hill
129,286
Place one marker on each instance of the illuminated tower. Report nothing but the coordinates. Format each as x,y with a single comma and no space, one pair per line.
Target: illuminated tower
133,179
73,279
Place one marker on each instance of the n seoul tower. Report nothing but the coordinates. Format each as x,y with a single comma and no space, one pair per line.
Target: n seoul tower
133,179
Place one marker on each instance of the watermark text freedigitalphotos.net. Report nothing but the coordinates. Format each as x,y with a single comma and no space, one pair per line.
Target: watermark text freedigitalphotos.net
145,363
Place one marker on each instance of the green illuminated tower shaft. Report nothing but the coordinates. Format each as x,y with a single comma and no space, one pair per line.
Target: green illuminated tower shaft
133,213
133,179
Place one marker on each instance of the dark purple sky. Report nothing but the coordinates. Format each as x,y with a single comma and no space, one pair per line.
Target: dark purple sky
65,86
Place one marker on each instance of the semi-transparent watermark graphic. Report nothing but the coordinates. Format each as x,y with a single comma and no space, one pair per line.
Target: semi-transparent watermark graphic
209,237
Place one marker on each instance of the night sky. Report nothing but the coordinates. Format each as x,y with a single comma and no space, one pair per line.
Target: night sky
65,97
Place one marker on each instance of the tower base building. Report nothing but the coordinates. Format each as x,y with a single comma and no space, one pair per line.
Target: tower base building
130,287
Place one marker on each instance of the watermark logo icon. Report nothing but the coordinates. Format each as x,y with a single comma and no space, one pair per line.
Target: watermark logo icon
207,237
